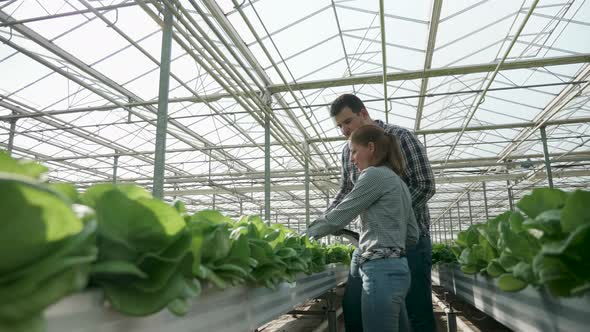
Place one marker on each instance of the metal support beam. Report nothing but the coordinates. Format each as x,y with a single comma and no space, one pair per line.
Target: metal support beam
546,156
481,97
384,58
436,9
470,212
160,157
510,197
115,167
485,200
306,149
73,13
451,224
429,73
11,134
459,216
267,159
475,128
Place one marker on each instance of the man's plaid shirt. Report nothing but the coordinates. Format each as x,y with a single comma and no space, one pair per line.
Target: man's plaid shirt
418,176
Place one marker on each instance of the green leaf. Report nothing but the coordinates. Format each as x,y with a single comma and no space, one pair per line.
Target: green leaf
144,224
489,230
522,245
210,216
135,302
216,244
67,189
577,244
22,167
540,200
118,268
160,268
45,294
516,220
524,271
179,307
469,269
547,221
179,206
93,194
507,260
555,274
34,222
576,211
494,269
509,283
34,323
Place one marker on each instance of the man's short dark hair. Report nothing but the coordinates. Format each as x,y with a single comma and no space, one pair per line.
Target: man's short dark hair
346,100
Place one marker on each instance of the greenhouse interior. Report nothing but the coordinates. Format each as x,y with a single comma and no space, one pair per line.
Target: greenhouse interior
166,165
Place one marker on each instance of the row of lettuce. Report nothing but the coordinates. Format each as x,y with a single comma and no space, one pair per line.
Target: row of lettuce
544,243
145,254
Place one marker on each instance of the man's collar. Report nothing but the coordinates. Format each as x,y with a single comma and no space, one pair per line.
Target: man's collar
380,123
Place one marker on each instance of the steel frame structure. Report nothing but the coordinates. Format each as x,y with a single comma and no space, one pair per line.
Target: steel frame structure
502,104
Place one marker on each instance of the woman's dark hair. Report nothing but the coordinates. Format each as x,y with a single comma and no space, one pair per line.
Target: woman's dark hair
387,149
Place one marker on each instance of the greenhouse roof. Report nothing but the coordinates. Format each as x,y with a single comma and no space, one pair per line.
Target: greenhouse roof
479,82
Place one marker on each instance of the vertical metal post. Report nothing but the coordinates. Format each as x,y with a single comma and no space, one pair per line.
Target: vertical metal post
241,208
384,58
445,230
115,166
546,155
437,234
485,200
267,100
11,134
213,201
470,214
459,215
162,121
332,319
509,190
306,150
451,223
510,198
451,321
434,232
288,222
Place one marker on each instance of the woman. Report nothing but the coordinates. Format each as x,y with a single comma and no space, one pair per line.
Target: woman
388,224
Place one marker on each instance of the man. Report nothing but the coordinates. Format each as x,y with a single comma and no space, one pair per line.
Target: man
350,113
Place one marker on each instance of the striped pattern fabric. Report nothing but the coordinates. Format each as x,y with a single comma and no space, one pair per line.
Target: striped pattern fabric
419,176
383,202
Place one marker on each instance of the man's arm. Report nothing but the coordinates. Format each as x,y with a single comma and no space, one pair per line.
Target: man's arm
345,182
418,170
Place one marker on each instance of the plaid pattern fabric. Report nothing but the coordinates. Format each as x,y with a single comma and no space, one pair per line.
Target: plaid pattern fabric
419,176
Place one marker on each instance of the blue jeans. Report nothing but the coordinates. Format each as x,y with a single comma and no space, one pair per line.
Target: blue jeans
383,300
419,299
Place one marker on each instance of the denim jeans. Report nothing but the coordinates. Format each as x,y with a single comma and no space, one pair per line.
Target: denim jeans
383,300
419,299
